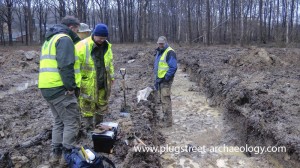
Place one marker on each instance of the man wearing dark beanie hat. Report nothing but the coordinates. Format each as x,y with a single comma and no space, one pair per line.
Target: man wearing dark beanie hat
96,57
101,30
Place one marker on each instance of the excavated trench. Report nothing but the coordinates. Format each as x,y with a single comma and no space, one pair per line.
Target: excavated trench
258,92
221,96
205,128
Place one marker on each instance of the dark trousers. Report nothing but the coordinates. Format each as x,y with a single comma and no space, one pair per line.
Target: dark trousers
165,97
65,111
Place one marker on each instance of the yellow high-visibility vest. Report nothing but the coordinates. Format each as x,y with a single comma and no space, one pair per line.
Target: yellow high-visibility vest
163,66
49,76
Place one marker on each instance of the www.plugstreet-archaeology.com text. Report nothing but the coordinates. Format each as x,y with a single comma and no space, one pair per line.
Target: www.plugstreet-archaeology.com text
212,149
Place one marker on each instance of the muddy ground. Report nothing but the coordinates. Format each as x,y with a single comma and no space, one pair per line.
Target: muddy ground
255,89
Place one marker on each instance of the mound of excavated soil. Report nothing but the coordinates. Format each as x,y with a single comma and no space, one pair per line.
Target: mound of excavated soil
259,89
17,66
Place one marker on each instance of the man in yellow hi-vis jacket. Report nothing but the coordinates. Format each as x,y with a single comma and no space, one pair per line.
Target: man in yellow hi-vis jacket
165,67
97,71
59,81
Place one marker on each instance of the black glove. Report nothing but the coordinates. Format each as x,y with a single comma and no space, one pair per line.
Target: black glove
77,92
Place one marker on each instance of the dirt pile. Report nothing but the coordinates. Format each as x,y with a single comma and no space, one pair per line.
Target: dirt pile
24,116
138,76
17,66
259,89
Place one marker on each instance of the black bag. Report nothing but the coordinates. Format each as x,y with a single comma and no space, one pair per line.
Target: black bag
75,159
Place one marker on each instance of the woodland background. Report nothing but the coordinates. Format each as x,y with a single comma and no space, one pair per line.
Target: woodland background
208,22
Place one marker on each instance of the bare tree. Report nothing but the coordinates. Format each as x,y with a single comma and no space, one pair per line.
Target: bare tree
287,39
208,22
42,13
270,19
232,13
62,9
29,24
189,20
2,23
125,20
82,10
6,17
131,20
120,21
20,14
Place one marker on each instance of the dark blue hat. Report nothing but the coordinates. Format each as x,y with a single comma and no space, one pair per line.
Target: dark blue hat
101,30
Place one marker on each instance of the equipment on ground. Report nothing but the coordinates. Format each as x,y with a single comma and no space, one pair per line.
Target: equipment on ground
125,109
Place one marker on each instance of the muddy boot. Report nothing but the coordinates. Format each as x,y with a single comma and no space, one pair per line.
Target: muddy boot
98,118
55,156
62,161
87,122
88,126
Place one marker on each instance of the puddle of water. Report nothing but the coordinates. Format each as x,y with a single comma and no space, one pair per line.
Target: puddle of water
18,88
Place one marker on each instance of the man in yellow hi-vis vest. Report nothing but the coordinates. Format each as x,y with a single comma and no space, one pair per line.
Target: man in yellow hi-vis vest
97,70
165,67
59,80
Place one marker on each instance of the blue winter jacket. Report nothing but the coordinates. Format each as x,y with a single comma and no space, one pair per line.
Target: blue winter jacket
171,60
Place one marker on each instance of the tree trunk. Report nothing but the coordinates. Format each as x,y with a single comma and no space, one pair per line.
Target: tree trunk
232,41
189,21
2,32
62,9
106,12
287,41
269,20
79,10
140,18
145,20
292,17
125,17
9,17
221,10
30,22
131,22
179,21
120,21
208,22
297,19
173,21
261,40
242,23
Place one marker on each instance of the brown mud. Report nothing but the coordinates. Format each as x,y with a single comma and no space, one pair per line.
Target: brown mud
239,96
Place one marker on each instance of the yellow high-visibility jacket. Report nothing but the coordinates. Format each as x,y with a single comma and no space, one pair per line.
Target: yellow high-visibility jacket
88,89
